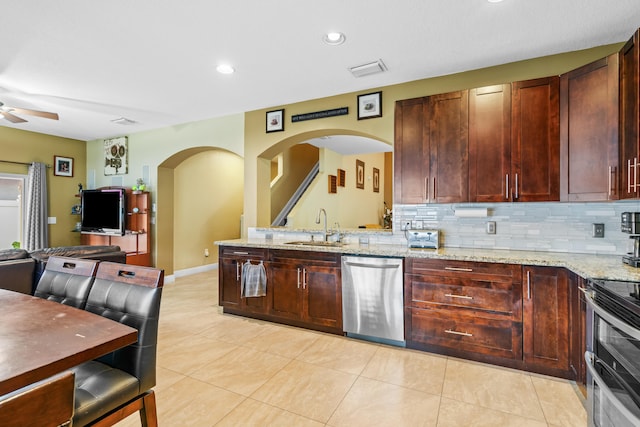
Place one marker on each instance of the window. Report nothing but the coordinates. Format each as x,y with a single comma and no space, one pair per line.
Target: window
11,209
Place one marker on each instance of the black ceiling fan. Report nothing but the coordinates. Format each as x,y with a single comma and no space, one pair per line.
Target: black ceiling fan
7,112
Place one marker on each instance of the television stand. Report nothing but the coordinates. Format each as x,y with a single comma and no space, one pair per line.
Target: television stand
136,242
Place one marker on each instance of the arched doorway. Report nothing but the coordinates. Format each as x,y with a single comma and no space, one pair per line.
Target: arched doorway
200,201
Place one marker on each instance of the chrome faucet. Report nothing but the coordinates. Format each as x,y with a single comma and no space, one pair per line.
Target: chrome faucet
325,222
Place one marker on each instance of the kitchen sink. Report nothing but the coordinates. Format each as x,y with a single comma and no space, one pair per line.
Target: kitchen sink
316,243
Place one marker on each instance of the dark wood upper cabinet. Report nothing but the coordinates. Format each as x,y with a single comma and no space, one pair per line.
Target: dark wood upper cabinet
589,132
489,143
449,147
535,140
629,117
431,149
411,151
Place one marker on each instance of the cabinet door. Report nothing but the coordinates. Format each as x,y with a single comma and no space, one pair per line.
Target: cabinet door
629,117
535,140
230,263
323,296
489,143
589,132
546,320
286,289
449,147
411,151
229,282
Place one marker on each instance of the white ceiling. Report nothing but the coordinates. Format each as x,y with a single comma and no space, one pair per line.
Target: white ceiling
153,61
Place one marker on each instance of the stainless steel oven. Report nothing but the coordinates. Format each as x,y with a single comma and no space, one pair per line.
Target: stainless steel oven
613,353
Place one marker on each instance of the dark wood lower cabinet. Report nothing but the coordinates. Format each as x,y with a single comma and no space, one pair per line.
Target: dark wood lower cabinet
303,288
524,317
546,308
306,289
230,264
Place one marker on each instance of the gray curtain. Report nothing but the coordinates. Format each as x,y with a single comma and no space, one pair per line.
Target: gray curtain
36,233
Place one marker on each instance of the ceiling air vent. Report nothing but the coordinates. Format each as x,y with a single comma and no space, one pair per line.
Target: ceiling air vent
370,68
123,121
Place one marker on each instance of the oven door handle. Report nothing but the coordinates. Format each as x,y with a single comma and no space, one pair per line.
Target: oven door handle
610,318
616,376
591,359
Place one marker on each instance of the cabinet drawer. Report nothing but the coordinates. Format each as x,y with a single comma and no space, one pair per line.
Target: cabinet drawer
466,333
236,251
328,259
465,269
496,296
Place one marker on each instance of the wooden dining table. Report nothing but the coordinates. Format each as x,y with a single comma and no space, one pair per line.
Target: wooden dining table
40,338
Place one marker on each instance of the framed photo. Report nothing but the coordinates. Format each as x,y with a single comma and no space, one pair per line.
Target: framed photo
376,180
115,156
275,121
370,105
359,174
62,166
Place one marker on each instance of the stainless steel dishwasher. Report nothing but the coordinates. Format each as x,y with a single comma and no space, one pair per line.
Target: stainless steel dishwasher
372,299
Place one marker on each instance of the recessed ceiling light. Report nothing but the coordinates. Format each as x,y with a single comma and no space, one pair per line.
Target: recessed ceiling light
334,38
225,69
494,1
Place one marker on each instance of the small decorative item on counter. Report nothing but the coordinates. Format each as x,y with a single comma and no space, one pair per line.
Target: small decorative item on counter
387,217
139,187
76,209
15,245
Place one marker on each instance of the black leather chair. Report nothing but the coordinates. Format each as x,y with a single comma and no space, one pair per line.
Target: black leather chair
115,386
67,280
48,403
110,253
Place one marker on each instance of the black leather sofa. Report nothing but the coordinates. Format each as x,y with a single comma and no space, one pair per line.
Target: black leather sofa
20,270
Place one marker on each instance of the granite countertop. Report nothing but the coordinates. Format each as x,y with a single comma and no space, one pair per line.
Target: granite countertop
585,265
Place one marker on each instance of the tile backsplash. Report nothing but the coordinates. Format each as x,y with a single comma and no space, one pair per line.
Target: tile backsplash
548,226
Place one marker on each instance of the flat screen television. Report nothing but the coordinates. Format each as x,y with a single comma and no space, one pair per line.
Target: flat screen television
103,211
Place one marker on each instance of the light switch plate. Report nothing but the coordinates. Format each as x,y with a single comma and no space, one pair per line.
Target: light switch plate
491,227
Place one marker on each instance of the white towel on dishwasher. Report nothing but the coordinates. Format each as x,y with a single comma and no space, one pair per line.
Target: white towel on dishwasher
254,280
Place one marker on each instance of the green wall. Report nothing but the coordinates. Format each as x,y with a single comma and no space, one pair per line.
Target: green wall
22,146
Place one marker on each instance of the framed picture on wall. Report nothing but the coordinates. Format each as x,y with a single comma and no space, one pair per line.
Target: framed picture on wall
376,180
62,166
275,121
115,156
359,174
370,105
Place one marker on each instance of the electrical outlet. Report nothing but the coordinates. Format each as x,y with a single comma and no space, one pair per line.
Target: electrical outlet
491,227
206,252
598,230
405,226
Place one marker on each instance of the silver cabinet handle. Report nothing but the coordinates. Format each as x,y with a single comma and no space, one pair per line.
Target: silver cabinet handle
458,269
629,176
609,182
506,186
238,271
298,277
516,186
304,278
240,253
458,296
434,189
466,334
528,284
426,187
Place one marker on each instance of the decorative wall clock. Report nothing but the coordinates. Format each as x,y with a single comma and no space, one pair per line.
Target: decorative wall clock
115,156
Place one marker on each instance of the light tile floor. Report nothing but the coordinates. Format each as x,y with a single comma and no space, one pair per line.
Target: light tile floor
221,370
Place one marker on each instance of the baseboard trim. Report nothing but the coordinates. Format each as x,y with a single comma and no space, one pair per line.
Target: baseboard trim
189,271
